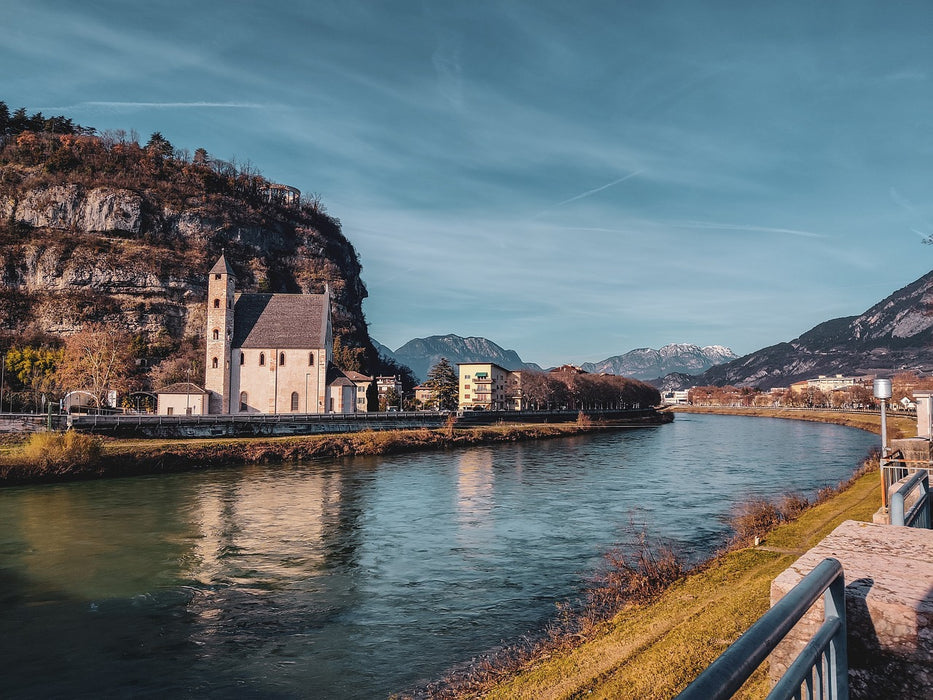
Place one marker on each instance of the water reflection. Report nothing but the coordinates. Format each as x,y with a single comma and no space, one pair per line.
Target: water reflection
362,577
475,488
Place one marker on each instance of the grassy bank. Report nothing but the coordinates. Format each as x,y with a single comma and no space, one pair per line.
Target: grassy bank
654,649
19,462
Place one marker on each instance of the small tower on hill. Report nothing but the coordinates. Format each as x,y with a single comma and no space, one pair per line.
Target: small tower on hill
220,290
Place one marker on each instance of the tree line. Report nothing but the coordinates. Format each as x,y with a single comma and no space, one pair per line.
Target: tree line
856,396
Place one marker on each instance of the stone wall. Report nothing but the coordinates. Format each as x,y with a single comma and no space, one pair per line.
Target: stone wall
889,608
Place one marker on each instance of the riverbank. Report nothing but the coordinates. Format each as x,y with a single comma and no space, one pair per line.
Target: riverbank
126,457
898,426
654,649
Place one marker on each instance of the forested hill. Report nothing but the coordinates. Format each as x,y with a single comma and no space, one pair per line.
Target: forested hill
98,227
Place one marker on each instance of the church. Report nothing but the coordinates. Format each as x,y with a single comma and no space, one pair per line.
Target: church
270,353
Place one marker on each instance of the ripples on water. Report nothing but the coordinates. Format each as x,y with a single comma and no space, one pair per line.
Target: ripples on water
362,577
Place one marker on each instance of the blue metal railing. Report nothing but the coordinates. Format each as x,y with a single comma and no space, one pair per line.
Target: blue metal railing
819,671
917,490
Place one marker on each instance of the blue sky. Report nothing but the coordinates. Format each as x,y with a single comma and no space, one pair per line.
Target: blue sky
570,180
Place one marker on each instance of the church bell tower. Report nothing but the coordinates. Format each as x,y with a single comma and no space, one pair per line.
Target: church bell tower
220,290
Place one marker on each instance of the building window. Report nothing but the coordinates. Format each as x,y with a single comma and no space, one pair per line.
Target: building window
217,276
229,303
169,411
310,359
244,398
216,303
214,363
262,359
242,358
216,334
281,358
295,401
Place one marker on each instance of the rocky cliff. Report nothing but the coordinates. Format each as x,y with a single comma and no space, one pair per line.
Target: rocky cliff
124,236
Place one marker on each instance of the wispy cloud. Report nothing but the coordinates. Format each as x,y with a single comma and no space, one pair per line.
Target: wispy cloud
718,226
162,105
590,193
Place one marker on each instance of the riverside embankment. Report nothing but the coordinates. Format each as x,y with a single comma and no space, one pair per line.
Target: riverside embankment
654,649
125,457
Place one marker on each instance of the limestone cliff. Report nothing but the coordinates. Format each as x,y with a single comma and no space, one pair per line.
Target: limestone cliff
125,236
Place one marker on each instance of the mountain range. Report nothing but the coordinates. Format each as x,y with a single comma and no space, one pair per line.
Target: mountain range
893,335
420,354
647,363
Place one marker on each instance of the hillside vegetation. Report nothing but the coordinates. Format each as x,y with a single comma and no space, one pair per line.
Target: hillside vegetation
97,227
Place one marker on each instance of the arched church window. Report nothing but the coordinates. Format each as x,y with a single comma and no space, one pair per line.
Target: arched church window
216,303
295,401
216,275
214,363
310,359
242,358
262,359
244,399
281,358
229,303
216,334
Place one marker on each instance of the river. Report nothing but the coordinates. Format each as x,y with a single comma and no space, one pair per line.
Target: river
362,577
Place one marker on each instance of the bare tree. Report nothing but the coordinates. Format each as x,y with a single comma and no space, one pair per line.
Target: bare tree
97,359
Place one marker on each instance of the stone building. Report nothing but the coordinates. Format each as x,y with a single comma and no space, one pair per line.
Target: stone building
269,353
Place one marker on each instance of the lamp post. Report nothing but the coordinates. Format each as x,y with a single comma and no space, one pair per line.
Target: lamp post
188,392
882,390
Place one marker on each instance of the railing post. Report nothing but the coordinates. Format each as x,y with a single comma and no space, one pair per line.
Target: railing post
834,605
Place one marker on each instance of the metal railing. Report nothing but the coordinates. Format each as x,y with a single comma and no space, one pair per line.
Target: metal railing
896,467
819,671
916,491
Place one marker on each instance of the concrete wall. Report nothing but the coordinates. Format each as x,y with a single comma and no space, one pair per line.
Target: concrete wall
180,403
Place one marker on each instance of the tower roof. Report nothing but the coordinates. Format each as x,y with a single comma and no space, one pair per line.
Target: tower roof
221,266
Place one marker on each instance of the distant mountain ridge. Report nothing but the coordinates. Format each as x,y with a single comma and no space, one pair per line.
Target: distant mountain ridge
647,363
420,354
894,334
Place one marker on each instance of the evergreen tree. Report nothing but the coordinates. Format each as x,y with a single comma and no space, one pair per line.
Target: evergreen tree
442,380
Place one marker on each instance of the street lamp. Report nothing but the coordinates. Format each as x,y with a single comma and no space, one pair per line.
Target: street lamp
882,390
188,392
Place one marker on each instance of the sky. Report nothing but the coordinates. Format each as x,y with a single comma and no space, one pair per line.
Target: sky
571,180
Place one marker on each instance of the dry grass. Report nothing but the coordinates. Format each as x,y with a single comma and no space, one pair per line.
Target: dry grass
53,453
654,649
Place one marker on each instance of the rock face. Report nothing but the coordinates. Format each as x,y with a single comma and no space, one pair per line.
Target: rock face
894,334
646,363
71,254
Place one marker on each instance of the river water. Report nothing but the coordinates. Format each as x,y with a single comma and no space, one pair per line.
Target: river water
362,577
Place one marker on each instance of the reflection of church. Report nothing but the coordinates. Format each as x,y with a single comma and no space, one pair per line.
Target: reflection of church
270,353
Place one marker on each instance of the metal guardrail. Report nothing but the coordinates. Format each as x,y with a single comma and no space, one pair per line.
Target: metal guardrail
915,490
820,671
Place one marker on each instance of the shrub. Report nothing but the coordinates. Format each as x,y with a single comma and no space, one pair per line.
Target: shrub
61,453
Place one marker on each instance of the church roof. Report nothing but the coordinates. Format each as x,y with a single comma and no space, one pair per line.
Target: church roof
181,388
279,321
222,266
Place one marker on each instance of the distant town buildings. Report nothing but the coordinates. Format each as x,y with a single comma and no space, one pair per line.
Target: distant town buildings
484,386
